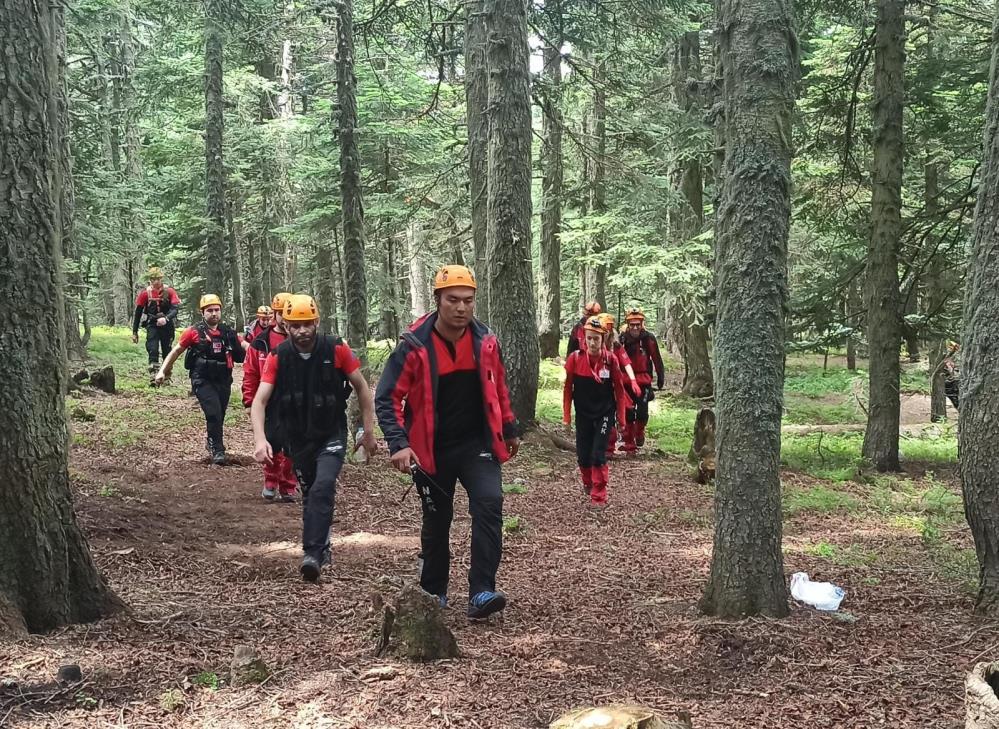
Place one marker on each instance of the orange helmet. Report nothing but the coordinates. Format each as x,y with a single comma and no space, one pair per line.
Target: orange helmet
277,303
300,307
592,309
264,310
593,324
634,314
209,300
607,322
451,276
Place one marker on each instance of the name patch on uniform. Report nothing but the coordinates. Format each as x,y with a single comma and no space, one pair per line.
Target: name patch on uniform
216,346
604,373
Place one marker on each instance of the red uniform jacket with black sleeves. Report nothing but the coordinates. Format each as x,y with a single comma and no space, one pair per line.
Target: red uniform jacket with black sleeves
253,365
406,397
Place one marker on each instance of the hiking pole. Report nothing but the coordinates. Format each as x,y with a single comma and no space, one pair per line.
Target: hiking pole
424,492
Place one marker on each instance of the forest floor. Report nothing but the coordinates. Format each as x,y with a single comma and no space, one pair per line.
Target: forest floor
603,606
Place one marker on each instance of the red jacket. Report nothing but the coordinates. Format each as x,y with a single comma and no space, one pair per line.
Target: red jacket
253,365
405,400
644,353
577,367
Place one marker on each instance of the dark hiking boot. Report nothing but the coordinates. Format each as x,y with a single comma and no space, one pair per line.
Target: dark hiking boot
484,604
218,458
311,569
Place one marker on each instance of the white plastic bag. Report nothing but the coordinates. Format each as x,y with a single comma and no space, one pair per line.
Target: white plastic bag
820,595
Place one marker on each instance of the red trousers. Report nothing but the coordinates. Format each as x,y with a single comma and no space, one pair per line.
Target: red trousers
279,475
595,482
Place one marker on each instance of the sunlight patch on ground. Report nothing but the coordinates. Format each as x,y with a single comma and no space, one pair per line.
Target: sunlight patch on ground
357,540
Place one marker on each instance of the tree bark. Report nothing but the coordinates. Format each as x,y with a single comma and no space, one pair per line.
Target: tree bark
215,244
477,116
511,282
761,68
47,576
550,280
356,293
882,294
978,436
699,381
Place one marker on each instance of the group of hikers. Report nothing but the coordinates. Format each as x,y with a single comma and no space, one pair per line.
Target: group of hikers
442,404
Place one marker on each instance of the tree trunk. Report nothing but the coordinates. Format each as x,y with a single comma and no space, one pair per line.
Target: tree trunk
698,377
851,313
75,349
419,277
215,244
389,318
747,567
936,297
356,293
47,576
699,381
598,183
882,295
511,282
978,436
235,275
476,112
550,280
325,290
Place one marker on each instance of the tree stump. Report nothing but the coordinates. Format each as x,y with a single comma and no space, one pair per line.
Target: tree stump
981,703
414,627
103,379
80,377
618,716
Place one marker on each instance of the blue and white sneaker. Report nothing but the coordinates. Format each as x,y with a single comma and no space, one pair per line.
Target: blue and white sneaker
267,493
483,604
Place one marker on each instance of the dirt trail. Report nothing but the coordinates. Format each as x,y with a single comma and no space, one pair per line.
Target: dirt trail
602,607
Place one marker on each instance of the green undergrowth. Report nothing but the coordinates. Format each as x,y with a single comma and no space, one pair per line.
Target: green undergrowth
813,396
925,508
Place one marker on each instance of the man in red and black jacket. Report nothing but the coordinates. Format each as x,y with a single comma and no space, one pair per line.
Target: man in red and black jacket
444,408
643,349
159,304
279,476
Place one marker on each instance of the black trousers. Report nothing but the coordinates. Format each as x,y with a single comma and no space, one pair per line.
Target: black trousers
592,435
952,390
639,411
159,339
479,472
213,396
317,475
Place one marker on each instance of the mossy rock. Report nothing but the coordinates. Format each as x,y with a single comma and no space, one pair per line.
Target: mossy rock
415,629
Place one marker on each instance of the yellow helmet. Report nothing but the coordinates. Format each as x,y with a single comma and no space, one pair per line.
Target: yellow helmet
606,321
451,276
634,314
278,302
300,307
154,272
952,346
264,310
209,300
